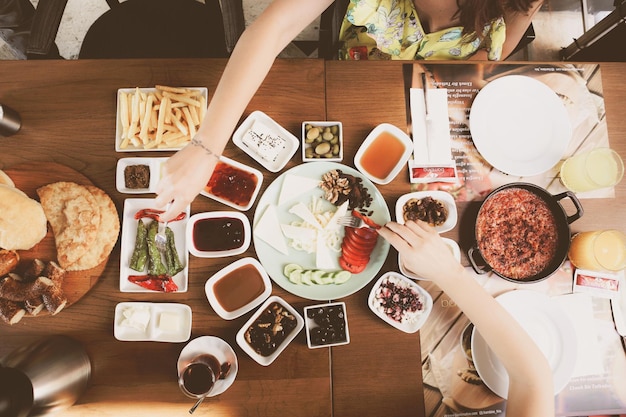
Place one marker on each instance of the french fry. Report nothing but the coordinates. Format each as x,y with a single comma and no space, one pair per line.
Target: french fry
168,117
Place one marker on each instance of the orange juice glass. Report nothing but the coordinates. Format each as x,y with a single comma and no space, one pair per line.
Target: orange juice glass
602,250
593,170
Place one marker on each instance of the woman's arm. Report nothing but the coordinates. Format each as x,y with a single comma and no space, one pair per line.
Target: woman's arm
187,172
531,391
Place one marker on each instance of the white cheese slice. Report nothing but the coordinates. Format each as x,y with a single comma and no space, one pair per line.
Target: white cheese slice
339,213
294,186
325,259
267,230
298,233
169,321
302,211
136,317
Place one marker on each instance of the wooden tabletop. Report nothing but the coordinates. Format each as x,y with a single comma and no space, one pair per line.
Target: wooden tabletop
68,112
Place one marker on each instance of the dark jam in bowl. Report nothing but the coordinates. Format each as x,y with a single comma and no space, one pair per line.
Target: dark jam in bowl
232,184
239,287
218,234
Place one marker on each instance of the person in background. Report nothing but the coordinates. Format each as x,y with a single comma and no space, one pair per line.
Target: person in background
531,389
414,29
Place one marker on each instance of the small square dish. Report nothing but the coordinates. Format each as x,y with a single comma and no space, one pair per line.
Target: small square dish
238,288
437,208
143,282
270,144
170,132
383,153
217,234
326,325
454,247
234,184
156,322
257,337
322,141
411,311
138,175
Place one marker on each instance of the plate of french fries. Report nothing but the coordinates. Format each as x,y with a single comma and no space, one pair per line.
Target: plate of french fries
162,118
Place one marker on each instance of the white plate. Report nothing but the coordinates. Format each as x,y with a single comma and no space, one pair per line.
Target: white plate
129,233
216,215
546,323
408,327
285,155
519,125
210,293
246,168
445,197
267,360
274,261
154,332
118,121
215,346
154,164
454,247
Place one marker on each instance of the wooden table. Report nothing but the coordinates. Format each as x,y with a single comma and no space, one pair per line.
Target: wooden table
68,111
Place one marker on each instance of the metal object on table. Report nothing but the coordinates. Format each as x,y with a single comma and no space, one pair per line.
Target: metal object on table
10,121
352,221
161,239
58,369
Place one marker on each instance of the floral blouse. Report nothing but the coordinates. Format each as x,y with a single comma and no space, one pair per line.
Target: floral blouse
390,29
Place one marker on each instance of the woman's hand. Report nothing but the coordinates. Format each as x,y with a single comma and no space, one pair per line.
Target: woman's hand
422,250
184,175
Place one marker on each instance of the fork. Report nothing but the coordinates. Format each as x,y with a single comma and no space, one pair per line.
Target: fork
161,239
352,221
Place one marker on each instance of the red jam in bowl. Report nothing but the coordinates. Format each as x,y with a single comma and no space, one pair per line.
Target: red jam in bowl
232,184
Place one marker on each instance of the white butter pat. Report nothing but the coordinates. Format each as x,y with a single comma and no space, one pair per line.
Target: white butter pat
294,186
169,321
268,230
264,141
136,317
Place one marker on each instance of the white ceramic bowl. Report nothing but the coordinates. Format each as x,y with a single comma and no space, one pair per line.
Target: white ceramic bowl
245,346
305,145
232,215
371,137
258,118
443,196
311,325
166,322
217,307
454,247
245,168
409,326
154,166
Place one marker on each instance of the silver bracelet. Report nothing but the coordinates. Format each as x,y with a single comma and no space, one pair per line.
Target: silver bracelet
197,142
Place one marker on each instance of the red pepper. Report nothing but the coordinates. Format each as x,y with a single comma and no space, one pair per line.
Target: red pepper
162,283
371,223
154,214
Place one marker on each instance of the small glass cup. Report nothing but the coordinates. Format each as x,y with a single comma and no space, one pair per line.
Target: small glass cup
198,378
592,170
602,250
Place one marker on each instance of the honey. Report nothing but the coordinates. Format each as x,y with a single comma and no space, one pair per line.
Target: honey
382,155
239,287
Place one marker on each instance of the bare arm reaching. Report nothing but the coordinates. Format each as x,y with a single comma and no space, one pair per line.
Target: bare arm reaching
187,172
531,391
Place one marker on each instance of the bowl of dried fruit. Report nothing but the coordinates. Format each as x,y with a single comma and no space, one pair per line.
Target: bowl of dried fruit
400,302
326,325
436,208
322,141
270,330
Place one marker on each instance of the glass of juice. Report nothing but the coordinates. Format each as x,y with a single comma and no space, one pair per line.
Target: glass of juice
593,170
602,250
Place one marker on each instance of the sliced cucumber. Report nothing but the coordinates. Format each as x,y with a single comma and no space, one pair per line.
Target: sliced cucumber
291,267
300,276
342,277
295,276
316,276
306,277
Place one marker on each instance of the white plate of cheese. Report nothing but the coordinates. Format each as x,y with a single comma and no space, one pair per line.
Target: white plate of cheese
285,205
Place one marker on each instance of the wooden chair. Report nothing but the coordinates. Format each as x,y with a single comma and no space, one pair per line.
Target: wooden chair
330,25
147,29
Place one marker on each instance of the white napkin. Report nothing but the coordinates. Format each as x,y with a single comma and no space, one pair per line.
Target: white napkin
431,133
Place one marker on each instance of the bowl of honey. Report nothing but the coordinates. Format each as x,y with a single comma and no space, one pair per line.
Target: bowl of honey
238,288
383,153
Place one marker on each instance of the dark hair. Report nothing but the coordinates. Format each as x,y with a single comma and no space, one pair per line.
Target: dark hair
475,14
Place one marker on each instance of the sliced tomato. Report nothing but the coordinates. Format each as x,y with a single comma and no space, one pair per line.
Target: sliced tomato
367,220
354,256
365,233
355,269
361,244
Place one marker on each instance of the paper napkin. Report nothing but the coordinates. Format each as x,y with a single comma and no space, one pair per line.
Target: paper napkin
432,157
